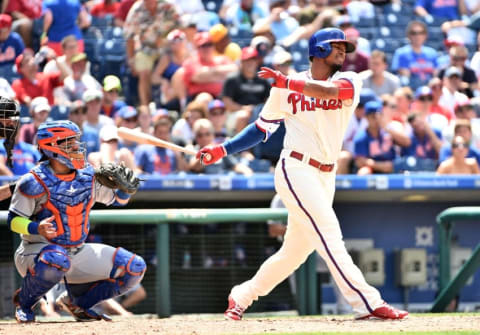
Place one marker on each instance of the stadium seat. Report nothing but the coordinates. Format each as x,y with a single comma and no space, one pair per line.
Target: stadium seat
364,22
59,113
102,22
9,72
92,38
113,57
24,111
213,5
113,33
299,53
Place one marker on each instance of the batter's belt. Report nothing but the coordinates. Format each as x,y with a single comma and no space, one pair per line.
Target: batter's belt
312,162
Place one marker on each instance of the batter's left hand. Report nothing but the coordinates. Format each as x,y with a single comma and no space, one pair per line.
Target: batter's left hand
280,80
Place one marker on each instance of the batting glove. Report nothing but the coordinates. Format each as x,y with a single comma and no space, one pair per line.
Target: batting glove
210,154
280,80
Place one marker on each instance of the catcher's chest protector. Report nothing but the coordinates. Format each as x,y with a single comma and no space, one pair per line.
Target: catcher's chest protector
69,200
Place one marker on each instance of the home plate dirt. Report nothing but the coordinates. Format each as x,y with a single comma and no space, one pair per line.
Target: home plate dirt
213,325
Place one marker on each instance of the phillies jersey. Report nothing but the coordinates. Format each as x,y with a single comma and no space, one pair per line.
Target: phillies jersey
313,126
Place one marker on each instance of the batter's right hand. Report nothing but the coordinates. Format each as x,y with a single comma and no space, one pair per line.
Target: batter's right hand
211,153
46,229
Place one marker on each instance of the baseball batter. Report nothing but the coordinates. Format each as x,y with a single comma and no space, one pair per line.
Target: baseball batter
50,208
315,106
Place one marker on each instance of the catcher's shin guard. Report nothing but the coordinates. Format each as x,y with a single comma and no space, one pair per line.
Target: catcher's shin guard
127,271
50,267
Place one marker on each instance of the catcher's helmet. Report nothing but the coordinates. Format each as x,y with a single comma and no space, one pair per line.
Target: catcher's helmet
319,44
60,140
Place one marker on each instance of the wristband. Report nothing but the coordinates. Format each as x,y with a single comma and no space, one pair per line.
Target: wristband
122,195
22,225
44,34
296,85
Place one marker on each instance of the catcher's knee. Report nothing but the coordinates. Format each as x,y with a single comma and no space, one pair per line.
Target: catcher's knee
51,263
128,269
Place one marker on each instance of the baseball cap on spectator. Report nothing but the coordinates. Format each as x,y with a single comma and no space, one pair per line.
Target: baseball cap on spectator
111,82
262,44
79,57
249,53
127,112
453,41
108,132
5,21
92,94
423,91
216,104
463,103
366,95
160,114
281,57
351,33
202,38
373,106
176,34
40,104
218,32
453,71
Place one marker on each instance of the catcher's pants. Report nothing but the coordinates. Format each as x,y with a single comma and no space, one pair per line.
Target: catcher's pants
308,194
89,263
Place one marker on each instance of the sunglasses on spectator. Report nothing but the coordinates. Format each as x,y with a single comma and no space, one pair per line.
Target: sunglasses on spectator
417,32
78,111
391,106
459,58
425,98
204,134
131,119
206,45
459,145
217,112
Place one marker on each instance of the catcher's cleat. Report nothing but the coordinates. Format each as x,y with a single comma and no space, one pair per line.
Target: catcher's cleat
22,315
384,312
80,314
234,310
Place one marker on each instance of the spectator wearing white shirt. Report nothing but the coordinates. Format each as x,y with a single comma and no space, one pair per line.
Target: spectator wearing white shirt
451,86
76,84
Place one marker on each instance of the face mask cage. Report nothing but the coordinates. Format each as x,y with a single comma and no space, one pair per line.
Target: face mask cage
9,123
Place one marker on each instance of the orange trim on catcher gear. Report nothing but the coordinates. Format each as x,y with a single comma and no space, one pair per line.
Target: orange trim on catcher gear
345,89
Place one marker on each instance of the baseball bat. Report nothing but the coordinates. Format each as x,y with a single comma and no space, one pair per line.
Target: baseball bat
142,138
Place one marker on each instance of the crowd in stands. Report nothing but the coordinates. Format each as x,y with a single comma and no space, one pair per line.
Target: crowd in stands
186,71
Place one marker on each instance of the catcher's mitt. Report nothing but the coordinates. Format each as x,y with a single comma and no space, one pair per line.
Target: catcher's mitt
117,176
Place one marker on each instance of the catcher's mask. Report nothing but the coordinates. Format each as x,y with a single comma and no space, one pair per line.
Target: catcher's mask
60,140
9,121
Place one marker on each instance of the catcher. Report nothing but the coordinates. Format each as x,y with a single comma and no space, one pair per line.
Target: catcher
50,209
9,121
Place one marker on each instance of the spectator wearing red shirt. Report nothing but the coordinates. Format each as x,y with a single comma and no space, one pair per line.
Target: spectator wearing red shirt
205,72
122,11
24,12
354,61
33,83
105,7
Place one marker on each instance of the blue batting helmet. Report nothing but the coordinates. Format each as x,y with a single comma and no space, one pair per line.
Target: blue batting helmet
319,44
60,140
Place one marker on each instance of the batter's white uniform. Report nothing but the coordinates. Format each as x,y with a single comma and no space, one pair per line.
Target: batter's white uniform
90,262
314,128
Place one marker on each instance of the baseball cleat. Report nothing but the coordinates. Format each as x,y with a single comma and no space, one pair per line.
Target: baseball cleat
80,314
385,312
22,315
234,310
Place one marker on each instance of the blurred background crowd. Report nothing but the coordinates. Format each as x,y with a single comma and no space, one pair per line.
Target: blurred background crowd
186,71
